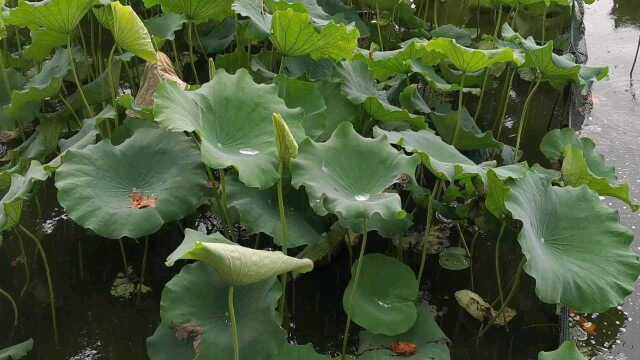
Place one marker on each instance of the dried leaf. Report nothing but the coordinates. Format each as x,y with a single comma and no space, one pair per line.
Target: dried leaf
140,200
404,349
190,331
154,74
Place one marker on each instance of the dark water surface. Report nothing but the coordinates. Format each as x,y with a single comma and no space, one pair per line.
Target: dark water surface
613,28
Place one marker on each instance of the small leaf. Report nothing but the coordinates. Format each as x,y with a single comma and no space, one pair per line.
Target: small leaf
454,258
566,351
17,351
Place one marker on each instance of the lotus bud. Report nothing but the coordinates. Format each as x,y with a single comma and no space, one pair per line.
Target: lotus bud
287,146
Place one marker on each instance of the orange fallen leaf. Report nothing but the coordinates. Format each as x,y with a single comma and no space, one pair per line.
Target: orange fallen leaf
142,201
404,349
589,327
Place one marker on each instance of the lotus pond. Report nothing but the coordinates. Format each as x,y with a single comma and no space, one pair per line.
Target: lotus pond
301,180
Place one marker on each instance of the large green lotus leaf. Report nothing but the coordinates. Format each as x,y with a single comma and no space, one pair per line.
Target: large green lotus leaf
299,352
45,84
51,22
338,109
384,301
295,35
42,143
575,172
411,99
360,88
17,351
470,136
386,64
566,351
306,95
199,11
96,184
194,307
232,115
258,211
470,60
580,259
444,160
431,342
435,81
237,265
166,25
128,30
253,11
331,173
556,141
19,191
10,81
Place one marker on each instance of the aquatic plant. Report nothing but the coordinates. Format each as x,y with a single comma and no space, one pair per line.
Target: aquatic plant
350,137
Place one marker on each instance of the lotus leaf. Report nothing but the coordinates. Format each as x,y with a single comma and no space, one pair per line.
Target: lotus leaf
431,342
470,136
360,88
384,301
196,323
128,30
299,352
411,100
258,210
165,26
470,60
51,22
19,191
232,116
17,351
576,172
386,64
11,81
307,96
199,11
98,185
237,265
454,258
253,11
576,261
566,351
435,81
331,173
295,35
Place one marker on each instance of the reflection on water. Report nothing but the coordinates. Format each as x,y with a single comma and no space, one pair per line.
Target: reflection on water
613,27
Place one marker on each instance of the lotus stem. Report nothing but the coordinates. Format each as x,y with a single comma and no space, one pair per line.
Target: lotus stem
191,56
464,242
435,13
515,15
76,78
86,52
423,259
512,293
110,74
498,22
481,99
234,325
16,314
544,22
378,26
25,262
52,298
283,239
425,10
460,101
143,268
497,260
177,58
505,101
525,109
223,204
80,260
345,340
635,60
123,255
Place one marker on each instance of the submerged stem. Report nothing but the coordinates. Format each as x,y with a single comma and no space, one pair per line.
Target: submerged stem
525,109
234,325
143,267
123,254
16,314
510,296
464,242
25,262
497,260
52,299
423,259
345,340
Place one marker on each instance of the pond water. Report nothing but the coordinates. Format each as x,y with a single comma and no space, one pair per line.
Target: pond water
612,32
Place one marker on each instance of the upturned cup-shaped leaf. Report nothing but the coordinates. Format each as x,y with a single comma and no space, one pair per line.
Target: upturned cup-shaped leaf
51,22
132,189
566,351
196,324
232,115
580,259
470,60
286,143
237,265
384,301
348,175
128,30
430,341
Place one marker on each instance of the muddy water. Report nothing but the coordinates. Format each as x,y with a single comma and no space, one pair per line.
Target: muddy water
613,28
